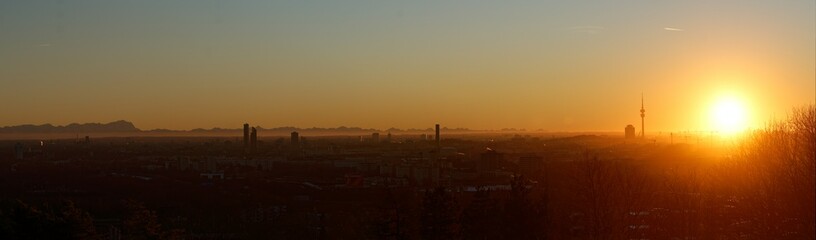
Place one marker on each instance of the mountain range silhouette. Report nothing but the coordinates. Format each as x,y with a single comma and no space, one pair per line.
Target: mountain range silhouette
123,126
120,126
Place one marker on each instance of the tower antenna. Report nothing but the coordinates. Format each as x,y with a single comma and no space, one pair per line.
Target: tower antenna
642,117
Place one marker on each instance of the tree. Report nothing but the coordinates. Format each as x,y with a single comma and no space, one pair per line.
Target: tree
481,217
398,209
606,193
61,221
142,223
525,218
439,215
778,196
684,199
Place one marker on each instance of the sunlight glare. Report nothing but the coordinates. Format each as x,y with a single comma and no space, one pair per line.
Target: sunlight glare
729,116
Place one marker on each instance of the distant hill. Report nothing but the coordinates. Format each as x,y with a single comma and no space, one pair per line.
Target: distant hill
120,126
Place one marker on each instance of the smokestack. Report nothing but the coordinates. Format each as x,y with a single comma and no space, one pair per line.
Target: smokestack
438,140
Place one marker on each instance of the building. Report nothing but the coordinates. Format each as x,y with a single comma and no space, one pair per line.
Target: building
375,137
490,160
246,136
530,165
253,141
18,151
629,131
210,165
437,135
295,138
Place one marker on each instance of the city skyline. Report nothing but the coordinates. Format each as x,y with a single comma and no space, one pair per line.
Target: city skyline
99,127
188,64
362,119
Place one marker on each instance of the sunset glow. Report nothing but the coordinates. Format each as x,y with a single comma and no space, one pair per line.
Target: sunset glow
291,119
486,65
729,116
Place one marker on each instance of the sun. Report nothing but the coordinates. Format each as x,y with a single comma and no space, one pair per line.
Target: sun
729,116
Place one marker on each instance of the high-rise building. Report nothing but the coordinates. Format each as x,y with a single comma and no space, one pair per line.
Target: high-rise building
18,151
629,131
295,138
253,141
388,137
246,136
375,137
438,140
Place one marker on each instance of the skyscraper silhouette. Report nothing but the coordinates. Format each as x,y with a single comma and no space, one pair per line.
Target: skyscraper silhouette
438,140
18,151
246,136
253,141
295,138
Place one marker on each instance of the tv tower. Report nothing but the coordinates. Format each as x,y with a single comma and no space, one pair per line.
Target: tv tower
642,117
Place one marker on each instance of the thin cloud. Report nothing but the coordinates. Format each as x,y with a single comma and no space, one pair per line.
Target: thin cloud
586,29
44,45
673,29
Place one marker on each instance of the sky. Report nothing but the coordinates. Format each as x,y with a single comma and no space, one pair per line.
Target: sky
549,65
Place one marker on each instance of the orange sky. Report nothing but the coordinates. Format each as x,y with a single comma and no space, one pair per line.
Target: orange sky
557,66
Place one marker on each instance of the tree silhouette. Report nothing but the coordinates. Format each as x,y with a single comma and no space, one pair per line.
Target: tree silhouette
19,220
607,192
684,198
481,217
397,212
525,217
439,215
778,196
139,222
